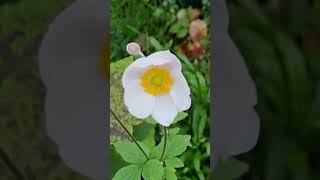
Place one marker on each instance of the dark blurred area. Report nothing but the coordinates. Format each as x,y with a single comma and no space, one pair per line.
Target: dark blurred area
280,41
25,150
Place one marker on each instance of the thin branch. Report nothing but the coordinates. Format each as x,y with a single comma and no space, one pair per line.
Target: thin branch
5,158
165,130
131,136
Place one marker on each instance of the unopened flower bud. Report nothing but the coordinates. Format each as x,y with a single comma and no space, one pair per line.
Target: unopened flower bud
133,49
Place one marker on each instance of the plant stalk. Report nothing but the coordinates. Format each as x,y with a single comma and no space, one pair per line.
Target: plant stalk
165,130
7,161
127,131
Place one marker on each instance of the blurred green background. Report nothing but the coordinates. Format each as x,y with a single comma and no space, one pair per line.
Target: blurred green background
279,39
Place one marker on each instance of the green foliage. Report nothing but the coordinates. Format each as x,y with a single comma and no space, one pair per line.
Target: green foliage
145,133
130,152
177,144
169,173
117,104
180,28
28,25
153,170
23,136
174,162
131,172
276,42
117,162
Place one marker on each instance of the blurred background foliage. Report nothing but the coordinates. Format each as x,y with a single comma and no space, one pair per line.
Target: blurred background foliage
279,39
25,150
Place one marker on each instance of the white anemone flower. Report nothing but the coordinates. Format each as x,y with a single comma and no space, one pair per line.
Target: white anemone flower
155,86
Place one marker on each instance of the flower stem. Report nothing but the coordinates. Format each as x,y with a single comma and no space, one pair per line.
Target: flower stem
127,131
141,54
165,130
15,171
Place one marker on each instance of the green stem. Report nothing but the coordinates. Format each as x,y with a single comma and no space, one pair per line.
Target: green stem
15,171
165,130
131,136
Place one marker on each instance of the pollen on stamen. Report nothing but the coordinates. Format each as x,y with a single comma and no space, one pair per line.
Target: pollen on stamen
156,80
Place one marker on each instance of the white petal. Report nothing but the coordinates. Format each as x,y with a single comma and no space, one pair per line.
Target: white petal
165,110
165,58
140,104
76,117
79,31
180,92
160,58
133,72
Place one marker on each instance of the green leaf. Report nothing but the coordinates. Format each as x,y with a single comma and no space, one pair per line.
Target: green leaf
173,131
155,43
230,169
296,71
130,152
244,16
179,117
182,33
153,170
197,165
174,28
118,67
185,62
116,161
169,173
174,162
150,120
193,83
145,133
263,62
180,25
177,144
202,85
199,121
155,153
131,172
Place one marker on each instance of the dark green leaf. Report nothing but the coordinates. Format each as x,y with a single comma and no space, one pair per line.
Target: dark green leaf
153,170
156,44
116,161
155,153
179,117
131,172
130,152
145,133
174,162
169,173
173,131
177,144
150,120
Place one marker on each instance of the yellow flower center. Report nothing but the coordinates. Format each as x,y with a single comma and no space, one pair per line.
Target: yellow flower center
156,80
